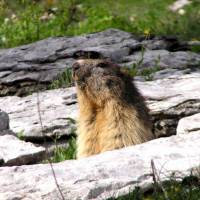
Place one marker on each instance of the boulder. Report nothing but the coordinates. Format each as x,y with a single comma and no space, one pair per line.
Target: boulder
189,125
16,152
110,174
26,68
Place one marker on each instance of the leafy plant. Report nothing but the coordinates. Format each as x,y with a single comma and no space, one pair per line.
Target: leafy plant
68,153
20,135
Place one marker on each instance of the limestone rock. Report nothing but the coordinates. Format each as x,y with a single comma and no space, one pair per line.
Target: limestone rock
166,73
23,69
170,99
113,173
188,125
16,152
58,108
163,59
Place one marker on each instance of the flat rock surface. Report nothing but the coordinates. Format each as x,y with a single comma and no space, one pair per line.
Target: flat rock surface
170,92
108,174
57,109
23,68
188,125
169,100
16,152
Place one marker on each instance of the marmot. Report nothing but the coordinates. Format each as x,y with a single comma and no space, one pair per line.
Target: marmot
113,113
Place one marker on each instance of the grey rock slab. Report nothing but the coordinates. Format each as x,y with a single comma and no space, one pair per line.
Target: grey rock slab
166,73
171,99
188,125
43,61
164,94
163,59
16,152
23,68
57,109
110,174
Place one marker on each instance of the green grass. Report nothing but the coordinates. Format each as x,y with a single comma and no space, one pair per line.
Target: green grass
68,152
61,153
187,189
22,21
195,49
147,73
20,135
63,80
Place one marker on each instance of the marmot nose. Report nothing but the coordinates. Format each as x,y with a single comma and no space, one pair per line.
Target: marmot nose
75,66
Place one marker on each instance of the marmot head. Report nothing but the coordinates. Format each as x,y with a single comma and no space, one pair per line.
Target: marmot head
101,80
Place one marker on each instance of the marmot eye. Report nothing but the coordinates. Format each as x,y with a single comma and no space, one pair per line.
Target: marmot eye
109,83
102,65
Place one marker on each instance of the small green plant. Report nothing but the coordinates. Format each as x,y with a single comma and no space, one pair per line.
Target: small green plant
147,73
68,152
134,70
195,49
65,153
64,80
20,135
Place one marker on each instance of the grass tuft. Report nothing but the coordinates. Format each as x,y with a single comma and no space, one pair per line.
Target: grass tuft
68,153
64,80
187,189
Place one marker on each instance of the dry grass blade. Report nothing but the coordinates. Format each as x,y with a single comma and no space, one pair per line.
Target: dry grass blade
156,180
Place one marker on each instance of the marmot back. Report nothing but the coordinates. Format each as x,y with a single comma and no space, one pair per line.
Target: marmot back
113,113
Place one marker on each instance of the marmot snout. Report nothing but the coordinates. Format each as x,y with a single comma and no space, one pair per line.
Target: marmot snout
112,111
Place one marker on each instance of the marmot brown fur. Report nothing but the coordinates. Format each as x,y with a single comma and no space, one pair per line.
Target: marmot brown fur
113,114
